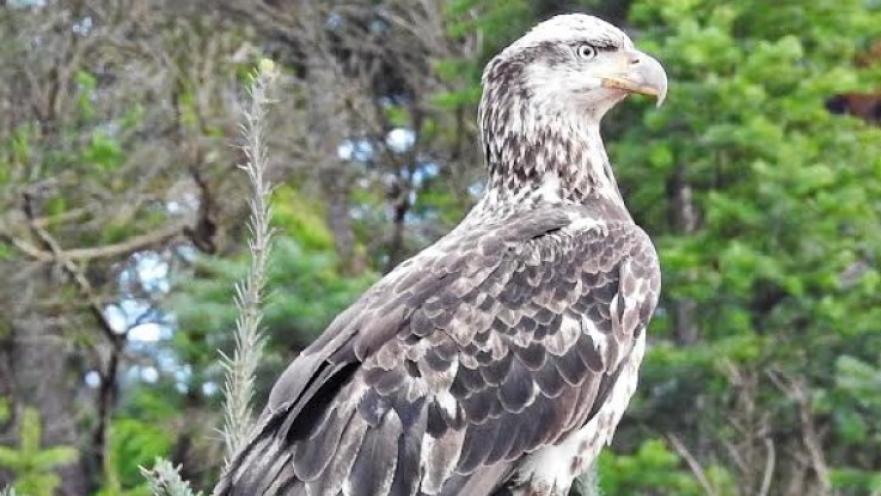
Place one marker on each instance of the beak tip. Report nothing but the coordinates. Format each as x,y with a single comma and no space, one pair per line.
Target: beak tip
653,75
660,100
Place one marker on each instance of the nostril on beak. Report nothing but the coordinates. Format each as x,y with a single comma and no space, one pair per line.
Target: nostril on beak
634,60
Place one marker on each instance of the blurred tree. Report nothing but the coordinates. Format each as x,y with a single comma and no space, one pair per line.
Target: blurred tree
31,463
109,159
654,469
765,209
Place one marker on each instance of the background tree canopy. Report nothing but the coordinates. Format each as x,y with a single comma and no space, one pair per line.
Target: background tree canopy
122,227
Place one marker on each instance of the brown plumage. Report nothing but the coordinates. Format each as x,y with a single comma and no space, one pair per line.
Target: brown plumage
500,359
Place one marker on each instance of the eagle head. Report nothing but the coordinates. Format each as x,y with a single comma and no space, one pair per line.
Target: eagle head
545,95
576,63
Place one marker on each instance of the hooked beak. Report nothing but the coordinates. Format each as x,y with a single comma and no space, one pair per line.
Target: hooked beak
641,74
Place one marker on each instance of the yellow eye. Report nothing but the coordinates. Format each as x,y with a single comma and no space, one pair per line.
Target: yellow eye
586,51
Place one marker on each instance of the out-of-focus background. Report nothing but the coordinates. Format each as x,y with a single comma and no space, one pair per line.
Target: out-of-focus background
122,221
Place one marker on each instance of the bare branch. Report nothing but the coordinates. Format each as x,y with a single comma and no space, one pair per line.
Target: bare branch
769,468
63,258
797,391
131,245
693,464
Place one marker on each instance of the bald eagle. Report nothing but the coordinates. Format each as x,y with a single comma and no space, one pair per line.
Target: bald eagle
499,360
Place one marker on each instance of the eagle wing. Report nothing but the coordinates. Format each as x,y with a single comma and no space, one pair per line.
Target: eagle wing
487,346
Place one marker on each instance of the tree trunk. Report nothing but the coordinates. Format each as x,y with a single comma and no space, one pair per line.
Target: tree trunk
40,363
683,216
336,192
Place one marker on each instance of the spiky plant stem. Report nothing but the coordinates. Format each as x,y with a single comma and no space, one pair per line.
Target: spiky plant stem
242,365
164,480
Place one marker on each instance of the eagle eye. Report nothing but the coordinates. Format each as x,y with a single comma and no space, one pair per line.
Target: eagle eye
586,51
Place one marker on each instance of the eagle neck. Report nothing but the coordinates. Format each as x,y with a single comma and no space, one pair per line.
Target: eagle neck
540,156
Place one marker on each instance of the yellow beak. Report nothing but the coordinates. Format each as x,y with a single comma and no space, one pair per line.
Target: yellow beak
642,74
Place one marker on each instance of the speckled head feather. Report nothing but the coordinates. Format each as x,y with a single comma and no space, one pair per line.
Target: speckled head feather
543,99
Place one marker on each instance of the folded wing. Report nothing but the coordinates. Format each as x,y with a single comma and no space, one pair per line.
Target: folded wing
485,347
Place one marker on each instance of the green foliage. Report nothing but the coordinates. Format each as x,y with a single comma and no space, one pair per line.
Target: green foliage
32,464
854,404
15,151
5,411
859,380
145,427
862,481
86,84
787,196
498,22
310,291
135,443
306,289
654,467
133,117
301,218
103,152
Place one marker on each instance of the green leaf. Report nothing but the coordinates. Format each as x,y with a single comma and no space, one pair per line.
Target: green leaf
103,152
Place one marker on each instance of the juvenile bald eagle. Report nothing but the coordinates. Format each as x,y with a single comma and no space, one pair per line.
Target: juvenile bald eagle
500,359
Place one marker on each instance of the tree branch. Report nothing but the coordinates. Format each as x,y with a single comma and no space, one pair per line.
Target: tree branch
63,258
797,391
107,392
131,245
769,468
693,464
